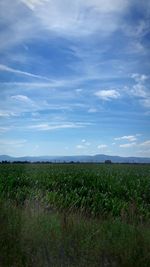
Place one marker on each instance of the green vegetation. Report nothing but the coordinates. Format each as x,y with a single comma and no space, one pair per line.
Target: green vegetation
74,215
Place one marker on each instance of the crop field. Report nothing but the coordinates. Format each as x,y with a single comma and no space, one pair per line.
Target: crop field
74,215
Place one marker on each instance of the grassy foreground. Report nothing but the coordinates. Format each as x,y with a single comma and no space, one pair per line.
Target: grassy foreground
74,215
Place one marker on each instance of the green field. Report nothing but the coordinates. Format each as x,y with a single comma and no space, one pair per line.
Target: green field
74,215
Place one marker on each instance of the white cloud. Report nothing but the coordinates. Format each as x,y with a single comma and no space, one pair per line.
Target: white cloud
107,94
144,148
130,138
85,142
33,3
102,146
22,98
92,110
139,77
140,90
79,90
80,147
146,143
145,102
7,114
144,153
128,145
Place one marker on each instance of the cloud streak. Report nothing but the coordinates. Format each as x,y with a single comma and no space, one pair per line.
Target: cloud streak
13,142
128,145
19,72
7,114
146,144
130,138
49,127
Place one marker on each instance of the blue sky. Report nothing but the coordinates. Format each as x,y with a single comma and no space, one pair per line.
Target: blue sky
74,77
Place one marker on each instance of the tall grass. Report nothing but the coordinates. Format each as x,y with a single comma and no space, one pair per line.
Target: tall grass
31,236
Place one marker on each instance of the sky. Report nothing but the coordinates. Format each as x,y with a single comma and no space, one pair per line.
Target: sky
74,77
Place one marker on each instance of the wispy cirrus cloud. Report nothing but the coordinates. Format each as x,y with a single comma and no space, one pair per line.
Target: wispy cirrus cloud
78,18
28,18
20,72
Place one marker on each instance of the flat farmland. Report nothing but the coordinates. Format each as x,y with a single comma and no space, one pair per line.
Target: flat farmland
74,214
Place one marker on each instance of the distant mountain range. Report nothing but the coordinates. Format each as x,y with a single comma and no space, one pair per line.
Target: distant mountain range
82,158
